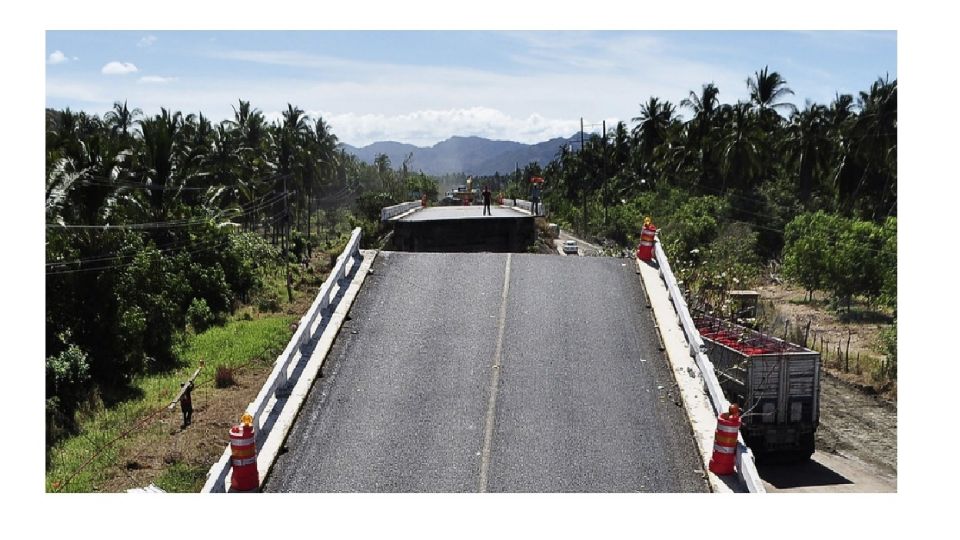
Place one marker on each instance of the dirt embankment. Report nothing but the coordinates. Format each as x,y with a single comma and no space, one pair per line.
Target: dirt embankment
858,414
858,425
164,444
856,336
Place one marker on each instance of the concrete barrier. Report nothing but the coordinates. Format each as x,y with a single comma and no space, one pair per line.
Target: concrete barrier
526,205
278,384
391,212
746,467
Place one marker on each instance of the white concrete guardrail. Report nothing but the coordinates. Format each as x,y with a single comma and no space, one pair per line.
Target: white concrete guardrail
397,209
277,384
746,467
525,205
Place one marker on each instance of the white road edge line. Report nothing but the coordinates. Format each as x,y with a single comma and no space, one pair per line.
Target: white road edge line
494,384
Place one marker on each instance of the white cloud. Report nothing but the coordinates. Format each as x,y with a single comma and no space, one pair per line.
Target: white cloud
155,79
147,41
57,57
118,68
429,126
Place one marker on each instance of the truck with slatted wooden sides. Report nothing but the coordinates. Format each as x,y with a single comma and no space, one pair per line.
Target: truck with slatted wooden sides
775,383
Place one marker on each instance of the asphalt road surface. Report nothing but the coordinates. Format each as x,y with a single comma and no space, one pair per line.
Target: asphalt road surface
493,372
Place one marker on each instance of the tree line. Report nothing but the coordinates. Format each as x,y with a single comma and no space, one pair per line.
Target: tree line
733,184
156,224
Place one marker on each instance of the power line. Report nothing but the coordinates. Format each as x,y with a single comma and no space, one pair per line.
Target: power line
104,181
172,223
208,245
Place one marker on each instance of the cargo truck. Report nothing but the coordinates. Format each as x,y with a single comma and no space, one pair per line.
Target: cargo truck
775,383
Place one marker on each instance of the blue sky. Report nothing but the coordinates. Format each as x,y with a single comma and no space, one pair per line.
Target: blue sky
422,87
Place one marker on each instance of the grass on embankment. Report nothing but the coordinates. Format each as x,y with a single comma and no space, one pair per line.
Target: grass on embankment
87,461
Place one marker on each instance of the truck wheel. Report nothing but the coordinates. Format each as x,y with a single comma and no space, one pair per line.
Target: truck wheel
808,446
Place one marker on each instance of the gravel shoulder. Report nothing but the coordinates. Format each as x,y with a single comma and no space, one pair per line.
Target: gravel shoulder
857,436
859,426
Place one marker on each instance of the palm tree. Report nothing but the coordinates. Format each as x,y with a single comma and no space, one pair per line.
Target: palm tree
767,89
705,107
322,163
290,135
84,166
867,175
121,119
810,148
292,130
652,130
840,110
381,164
222,165
249,137
194,143
159,134
740,148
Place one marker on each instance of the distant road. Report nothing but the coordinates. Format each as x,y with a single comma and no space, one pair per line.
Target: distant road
583,248
451,378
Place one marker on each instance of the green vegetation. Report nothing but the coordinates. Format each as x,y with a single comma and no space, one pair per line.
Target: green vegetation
101,435
182,478
740,184
848,257
737,187
166,225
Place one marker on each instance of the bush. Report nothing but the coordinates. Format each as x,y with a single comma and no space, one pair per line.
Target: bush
268,301
807,243
68,375
888,259
888,343
224,377
199,315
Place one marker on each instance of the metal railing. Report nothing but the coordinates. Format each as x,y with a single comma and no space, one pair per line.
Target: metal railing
277,384
746,468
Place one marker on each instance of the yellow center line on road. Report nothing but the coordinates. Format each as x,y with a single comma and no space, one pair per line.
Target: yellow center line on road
494,384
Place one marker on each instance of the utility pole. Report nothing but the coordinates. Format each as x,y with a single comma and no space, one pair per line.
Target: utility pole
604,202
583,183
286,239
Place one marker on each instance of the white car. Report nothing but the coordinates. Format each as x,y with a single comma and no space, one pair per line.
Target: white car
570,247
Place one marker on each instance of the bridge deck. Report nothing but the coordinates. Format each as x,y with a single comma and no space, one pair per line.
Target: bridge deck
434,213
451,378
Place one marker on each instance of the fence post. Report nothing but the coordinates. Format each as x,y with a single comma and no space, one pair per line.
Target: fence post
847,353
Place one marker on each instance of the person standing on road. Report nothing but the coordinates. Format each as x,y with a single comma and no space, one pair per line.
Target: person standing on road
535,200
486,201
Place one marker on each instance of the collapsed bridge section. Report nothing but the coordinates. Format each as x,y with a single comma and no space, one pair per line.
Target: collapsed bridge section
463,229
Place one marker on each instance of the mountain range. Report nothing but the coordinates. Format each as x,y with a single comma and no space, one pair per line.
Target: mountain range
469,155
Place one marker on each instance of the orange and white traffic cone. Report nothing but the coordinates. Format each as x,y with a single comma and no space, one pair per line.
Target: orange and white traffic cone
243,456
725,441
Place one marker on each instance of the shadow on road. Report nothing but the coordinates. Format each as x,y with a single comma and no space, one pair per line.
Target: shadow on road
806,474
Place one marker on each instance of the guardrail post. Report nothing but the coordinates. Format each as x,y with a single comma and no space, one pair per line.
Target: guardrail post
746,468
283,385
279,384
